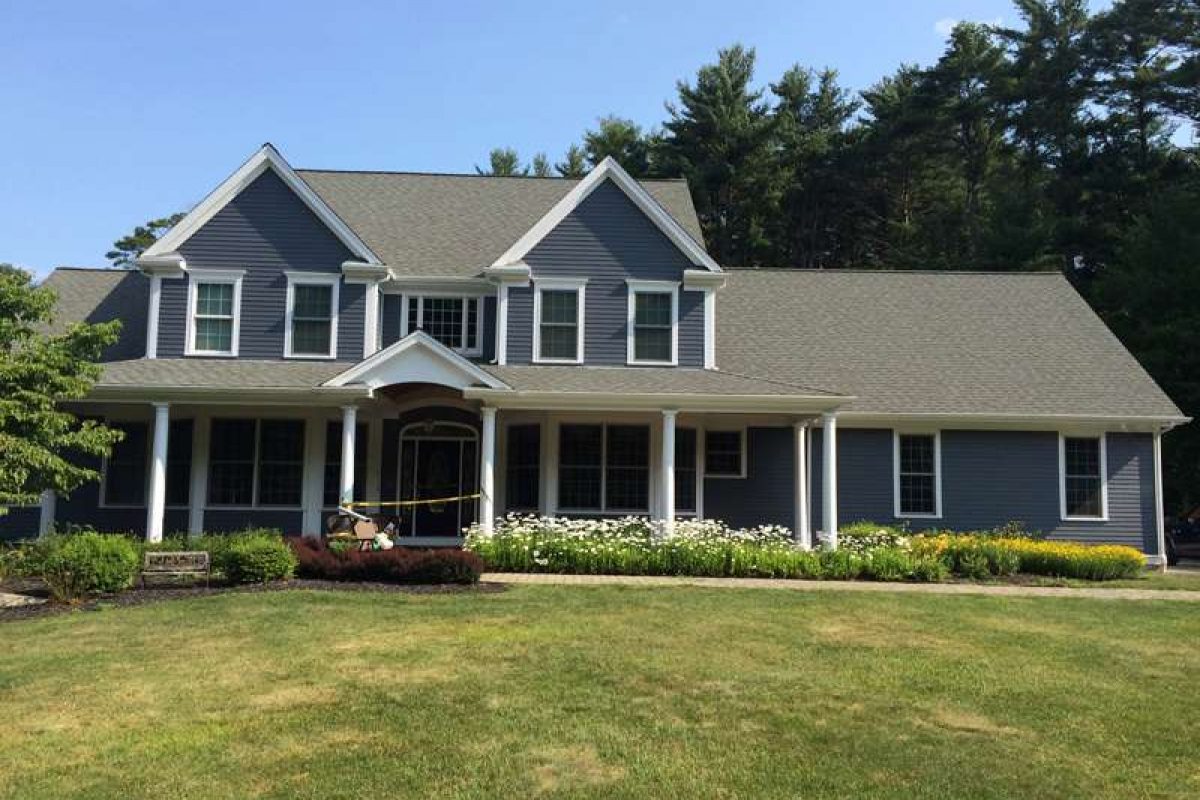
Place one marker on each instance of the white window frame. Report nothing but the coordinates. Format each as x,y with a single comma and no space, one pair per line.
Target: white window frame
577,285
741,432
897,510
421,297
1062,476
295,279
225,276
636,287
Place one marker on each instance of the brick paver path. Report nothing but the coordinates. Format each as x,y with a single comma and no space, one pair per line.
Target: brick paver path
845,586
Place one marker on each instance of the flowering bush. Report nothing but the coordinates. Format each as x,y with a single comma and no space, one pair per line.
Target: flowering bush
863,537
978,556
637,546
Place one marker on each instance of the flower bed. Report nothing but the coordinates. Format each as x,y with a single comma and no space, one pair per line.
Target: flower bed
636,546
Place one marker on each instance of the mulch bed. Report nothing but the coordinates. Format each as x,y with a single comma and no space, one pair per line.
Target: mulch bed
140,597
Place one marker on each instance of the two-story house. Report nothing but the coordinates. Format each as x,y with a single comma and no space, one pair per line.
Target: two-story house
304,338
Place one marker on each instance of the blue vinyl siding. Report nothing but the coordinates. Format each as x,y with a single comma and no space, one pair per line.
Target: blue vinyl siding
993,477
765,495
266,230
608,240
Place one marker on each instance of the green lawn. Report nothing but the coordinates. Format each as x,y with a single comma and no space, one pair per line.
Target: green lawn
603,692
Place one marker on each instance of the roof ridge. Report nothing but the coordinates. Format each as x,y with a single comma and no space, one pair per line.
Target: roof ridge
865,271
432,174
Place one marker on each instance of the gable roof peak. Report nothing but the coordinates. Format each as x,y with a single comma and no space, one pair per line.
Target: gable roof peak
267,157
609,169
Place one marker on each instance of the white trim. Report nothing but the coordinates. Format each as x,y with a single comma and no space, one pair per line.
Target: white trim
295,279
371,311
636,287
233,278
466,299
609,168
1009,422
502,324
267,157
741,432
577,285
198,487
897,511
654,401
416,339
156,499
1062,476
710,329
152,316
1160,528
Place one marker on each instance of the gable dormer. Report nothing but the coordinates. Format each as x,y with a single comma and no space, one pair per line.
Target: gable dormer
258,270
607,278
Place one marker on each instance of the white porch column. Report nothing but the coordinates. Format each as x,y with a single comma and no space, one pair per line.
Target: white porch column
49,503
156,503
349,428
1160,528
198,493
830,487
313,476
487,469
803,529
668,470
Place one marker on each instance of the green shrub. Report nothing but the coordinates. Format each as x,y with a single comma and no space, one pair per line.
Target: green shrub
256,557
86,563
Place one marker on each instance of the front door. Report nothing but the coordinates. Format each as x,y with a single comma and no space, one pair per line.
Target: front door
441,465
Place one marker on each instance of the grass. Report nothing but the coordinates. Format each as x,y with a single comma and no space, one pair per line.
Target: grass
603,692
1172,579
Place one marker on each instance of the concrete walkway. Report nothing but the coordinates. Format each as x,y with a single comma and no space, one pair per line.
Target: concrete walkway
1185,595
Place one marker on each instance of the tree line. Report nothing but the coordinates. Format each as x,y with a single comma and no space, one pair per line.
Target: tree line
1067,142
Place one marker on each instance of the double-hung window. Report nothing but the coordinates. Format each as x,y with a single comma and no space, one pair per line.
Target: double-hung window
256,462
126,470
214,309
558,321
453,321
918,480
312,313
653,322
725,454
1082,477
604,468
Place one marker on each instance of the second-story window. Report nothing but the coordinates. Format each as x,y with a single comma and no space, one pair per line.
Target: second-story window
653,314
214,304
453,321
312,316
558,322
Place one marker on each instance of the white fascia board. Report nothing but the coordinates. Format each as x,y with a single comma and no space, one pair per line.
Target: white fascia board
266,157
608,168
167,265
699,279
1011,422
695,403
415,340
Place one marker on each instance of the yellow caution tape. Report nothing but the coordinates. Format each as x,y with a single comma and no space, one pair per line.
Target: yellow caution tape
401,503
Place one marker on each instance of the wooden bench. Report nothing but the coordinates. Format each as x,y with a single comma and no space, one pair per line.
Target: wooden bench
176,565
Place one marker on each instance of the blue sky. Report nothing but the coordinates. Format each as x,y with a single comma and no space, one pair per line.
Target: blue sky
118,112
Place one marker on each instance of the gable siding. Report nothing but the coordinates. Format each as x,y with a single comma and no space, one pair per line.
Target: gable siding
607,240
266,230
993,477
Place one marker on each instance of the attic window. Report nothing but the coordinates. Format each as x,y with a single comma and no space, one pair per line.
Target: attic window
558,321
653,322
453,321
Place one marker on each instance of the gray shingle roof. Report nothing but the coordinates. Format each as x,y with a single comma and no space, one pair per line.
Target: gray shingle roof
174,373
455,225
642,380
936,343
101,295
